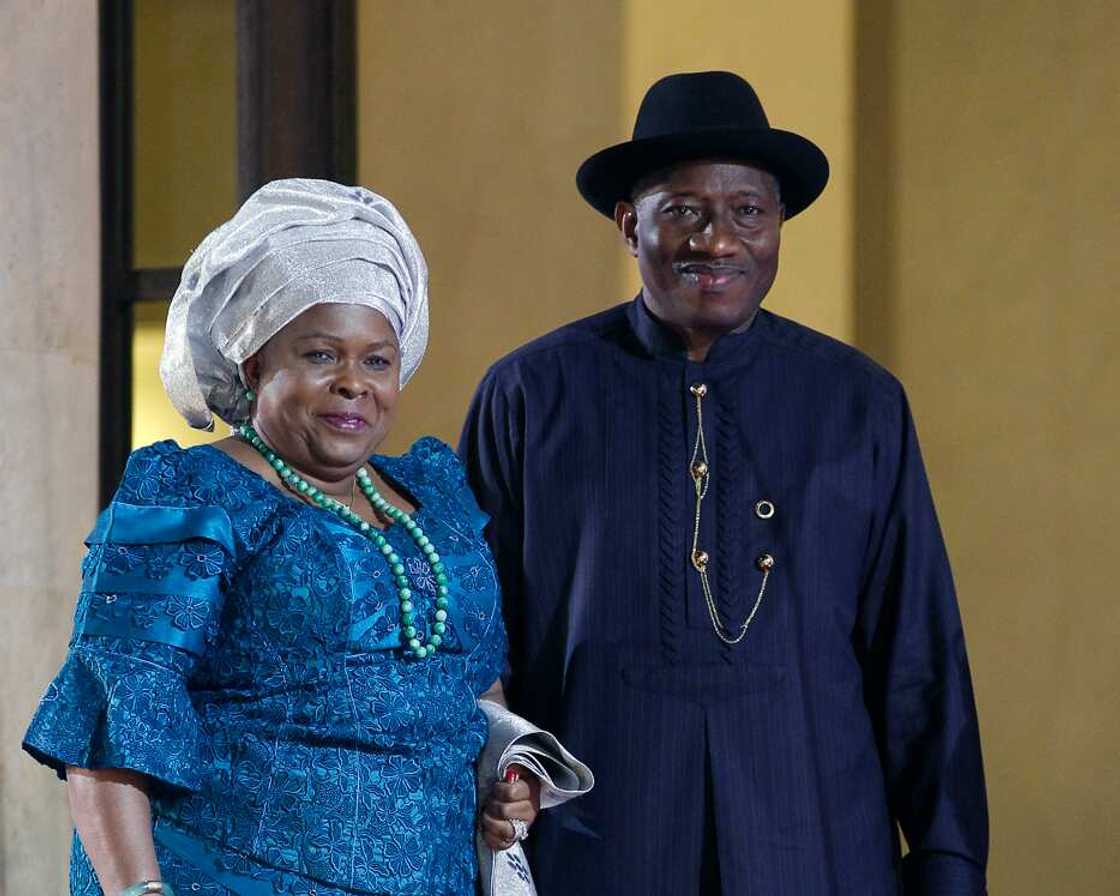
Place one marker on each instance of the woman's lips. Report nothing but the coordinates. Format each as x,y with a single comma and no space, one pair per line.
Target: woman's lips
345,422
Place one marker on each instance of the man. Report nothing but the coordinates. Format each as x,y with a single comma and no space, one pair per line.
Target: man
723,577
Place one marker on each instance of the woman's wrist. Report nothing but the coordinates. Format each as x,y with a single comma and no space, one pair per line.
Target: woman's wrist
148,888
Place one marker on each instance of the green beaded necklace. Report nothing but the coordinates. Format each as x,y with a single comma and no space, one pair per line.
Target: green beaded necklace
305,489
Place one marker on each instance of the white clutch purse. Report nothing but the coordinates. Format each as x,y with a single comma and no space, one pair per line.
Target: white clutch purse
514,740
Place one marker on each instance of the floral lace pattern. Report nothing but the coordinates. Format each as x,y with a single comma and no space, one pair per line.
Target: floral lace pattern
243,651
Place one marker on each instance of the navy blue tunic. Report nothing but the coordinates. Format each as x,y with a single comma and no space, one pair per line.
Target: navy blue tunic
846,712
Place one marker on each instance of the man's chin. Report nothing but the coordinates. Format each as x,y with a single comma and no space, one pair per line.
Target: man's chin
723,320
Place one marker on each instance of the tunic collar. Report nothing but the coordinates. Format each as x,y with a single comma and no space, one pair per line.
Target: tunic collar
661,342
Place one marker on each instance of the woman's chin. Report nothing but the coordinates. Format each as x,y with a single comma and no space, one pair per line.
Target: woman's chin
339,451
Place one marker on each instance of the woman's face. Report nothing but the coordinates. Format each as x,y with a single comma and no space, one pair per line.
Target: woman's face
327,388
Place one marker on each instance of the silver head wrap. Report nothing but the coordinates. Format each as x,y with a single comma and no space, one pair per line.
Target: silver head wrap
293,244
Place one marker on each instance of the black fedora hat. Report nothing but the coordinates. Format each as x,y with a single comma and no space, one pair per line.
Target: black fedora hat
703,115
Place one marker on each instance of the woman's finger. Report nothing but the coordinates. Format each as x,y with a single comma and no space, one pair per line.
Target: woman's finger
497,833
511,793
522,809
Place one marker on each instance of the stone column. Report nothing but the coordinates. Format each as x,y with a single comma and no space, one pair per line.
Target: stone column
49,299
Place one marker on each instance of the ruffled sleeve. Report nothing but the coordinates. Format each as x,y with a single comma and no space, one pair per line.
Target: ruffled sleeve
151,600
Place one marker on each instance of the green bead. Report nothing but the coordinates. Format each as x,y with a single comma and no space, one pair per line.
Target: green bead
302,487
441,603
406,606
442,591
407,619
410,631
398,569
386,548
394,559
423,540
439,628
441,615
413,643
404,593
365,527
438,567
431,649
410,525
402,581
421,652
441,578
435,640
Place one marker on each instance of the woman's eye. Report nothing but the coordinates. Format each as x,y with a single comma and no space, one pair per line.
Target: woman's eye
379,362
318,357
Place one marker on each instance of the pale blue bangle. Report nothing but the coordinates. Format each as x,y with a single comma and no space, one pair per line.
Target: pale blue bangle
149,888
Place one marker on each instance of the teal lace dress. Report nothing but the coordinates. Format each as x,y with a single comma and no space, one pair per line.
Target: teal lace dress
243,650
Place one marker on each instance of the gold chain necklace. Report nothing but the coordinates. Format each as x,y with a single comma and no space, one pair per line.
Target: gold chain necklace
699,470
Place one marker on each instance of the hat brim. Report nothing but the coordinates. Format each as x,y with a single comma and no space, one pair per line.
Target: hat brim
801,168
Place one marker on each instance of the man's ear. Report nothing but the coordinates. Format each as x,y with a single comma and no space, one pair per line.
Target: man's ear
626,220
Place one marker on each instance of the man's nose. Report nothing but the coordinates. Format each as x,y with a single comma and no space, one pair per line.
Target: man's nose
716,237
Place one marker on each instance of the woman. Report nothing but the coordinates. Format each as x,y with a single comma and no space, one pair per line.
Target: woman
281,637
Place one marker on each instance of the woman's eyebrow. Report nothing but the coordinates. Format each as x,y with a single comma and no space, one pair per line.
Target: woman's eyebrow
380,343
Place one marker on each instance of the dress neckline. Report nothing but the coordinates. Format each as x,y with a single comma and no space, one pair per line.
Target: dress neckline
377,461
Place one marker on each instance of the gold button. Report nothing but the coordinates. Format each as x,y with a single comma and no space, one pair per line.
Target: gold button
765,562
764,509
698,389
699,470
700,559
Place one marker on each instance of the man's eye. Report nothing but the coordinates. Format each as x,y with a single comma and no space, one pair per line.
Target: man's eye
680,211
750,210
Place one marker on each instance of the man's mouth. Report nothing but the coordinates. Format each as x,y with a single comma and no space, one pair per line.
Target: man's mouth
345,422
707,276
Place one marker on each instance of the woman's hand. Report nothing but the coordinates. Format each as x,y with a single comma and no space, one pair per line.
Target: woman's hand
520,799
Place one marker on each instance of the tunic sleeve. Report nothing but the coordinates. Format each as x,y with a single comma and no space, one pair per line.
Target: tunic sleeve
917,681
151,597
490,448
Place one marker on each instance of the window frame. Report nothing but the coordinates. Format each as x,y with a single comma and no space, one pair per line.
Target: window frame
296,116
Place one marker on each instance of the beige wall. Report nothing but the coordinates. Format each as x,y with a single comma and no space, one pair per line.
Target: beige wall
475,124
49,299
989,135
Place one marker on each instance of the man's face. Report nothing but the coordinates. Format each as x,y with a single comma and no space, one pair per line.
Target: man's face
706,236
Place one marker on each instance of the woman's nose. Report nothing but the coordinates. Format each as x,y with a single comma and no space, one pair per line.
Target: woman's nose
349,386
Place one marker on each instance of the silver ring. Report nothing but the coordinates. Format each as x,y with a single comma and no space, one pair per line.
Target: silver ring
520,829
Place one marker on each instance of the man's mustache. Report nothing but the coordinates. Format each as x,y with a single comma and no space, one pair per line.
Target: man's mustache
709,267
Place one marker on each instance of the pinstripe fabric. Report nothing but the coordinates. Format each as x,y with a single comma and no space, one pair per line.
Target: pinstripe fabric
848,707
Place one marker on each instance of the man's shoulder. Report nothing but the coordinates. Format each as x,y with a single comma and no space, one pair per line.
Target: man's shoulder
818,353
587,333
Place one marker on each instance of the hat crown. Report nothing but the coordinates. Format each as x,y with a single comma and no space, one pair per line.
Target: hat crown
699,101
